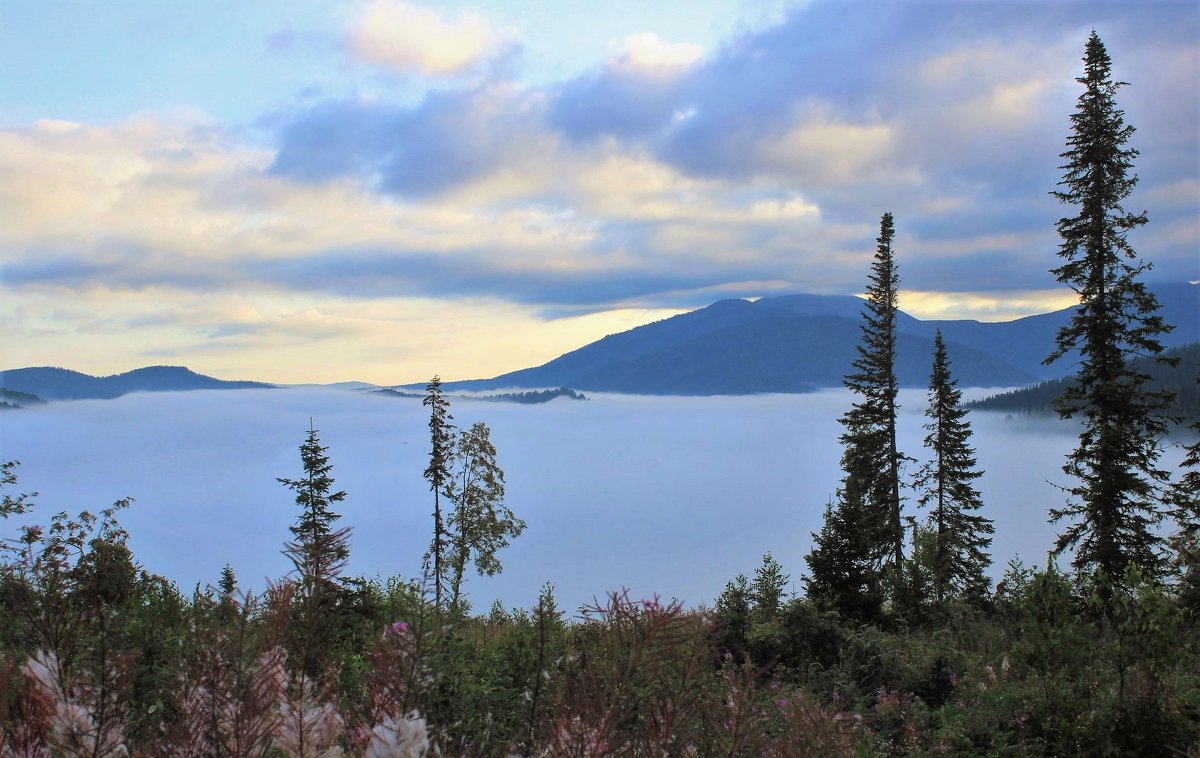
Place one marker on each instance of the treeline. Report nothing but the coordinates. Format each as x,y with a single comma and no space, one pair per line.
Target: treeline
1179,378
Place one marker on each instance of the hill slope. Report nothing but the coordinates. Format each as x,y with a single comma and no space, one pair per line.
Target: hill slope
1180,379
63,384
796,343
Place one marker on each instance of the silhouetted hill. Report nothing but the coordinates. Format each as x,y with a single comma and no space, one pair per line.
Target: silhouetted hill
1180,379
796,343
63,384
13,399
782,353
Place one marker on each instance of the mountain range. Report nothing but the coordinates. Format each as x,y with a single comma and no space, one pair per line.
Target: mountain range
50,383
787,343
797,343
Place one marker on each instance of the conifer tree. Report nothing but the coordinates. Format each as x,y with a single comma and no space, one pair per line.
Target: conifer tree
866,526
870,437
767,589
318,552
961,536
480,523
1113,509
441,433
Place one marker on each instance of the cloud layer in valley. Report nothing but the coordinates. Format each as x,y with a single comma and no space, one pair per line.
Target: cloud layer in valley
660,495
410,189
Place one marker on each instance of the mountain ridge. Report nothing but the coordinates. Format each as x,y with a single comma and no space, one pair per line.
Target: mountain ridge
744,347
55,383
784,343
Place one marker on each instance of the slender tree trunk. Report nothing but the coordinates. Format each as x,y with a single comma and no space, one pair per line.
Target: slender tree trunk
940,555
438,537
893,454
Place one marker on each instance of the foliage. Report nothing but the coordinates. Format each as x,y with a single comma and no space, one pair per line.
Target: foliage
1114,508
861,544
961,536
480,523
319,554
441,435
1179,378
1046,667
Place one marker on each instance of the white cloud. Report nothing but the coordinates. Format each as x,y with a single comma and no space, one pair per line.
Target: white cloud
820,148
648,51
191,194
410,38
990,306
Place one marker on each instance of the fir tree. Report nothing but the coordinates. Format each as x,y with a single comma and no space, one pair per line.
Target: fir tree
228,584
441,433
767,590
842,575
869,500
318,552
961,536
732,619
1115,506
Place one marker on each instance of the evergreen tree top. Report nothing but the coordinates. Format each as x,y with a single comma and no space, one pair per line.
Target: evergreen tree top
313,493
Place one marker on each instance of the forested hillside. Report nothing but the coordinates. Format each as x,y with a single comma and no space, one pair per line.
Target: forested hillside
1180,379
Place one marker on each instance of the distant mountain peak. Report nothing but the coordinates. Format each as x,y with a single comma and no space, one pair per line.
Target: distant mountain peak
795,342
52,383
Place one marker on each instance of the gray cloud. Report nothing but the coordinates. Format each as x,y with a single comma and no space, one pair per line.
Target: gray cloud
451,137
372,273
838,64
951,115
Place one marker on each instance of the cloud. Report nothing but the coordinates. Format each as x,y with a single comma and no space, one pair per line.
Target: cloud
663,177
451,138
412,39
1004,305
646,51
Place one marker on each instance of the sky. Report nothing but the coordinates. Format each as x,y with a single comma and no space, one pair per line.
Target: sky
376,190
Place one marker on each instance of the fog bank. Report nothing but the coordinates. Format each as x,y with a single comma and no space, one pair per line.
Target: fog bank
668,496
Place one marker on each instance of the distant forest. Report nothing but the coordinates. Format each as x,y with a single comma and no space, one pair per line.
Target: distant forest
1181,379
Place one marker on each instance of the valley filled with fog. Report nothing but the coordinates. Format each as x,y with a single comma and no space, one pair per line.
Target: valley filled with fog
661,495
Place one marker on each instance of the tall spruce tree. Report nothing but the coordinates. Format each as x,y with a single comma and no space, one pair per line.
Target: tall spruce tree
441,434
862,541
319,553
1113,509
961,536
